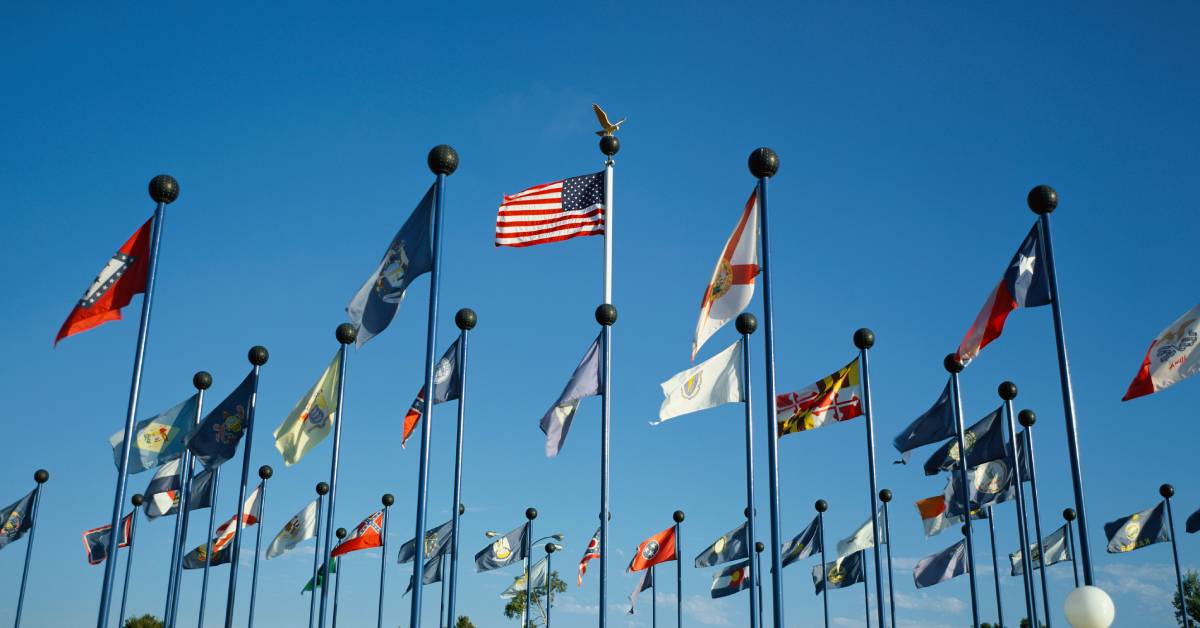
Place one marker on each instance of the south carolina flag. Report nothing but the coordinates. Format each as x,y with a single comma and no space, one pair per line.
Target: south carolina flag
732,284
365,535
1172,357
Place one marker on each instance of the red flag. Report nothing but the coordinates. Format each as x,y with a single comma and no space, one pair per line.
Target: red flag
366,535
659,548
122,277
592,551
413,416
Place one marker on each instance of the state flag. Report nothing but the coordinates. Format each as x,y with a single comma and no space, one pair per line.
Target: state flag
862,538
1193,523
17,519
1138,530
157,439
519,583
933,514
807,543
591,551
942,566
731,579
644,583
95,541
409,255
1171,358
709,384
431,572
731,287
319,581
935,425
301,527
1054,549
216,438
989,483
838,397
365,535
312,418
447,385
195,558
122,277
162,493
984,441
732,545
504,551
659,548
844,572
251,513
437,542
166,503
585,382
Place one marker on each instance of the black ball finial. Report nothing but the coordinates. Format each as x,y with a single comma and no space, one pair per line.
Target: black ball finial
531,513
885,495
759,547
606,314
1069,514
346,333
822,505
388,499
1027,418
746,512
164,189
864,338
764,163
466,319
137,500
678,516
746,323
41,476
1007,390
322,488
966,529
443,159
258,355
265,472
1167,491
462,509
952,364
341,533
550,547
1042,199
202,380
609,145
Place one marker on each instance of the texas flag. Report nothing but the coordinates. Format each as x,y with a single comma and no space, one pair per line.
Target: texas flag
1024,284
122,277
365,535
1171,358
732,284
659,548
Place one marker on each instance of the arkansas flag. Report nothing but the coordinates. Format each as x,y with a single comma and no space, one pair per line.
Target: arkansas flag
365,535
732,284
1024,284
122,277
1172,357
659,548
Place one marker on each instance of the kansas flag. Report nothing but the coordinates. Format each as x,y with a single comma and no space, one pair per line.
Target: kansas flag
312,418
157,439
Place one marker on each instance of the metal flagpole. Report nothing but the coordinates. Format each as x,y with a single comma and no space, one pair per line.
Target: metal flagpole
746,324
866,590
387,500
176,538
442,594
337,576
258,357
1027,419
758,548
208,545
443,161
1167,491
822,506
764,163
995,563
322,489
1008,391
202,380
885,496
864,339
530,515
954,367
678,517
1043,200
606,315
264,472
550,548
137,501
164,190
40,477
1069,515
465,319
653,599
346,335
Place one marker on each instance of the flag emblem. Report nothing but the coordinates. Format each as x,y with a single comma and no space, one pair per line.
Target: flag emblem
443,371
431,543
12,523
991,477
229,430
837,574
692,385
719,546
501,549
1133,527
722,282
736,578
390,285
836,397
293,527
108,276
154,436
969,439
317,417
651,549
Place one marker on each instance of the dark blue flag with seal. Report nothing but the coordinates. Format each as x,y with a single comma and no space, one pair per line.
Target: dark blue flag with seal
984,441
1138,530
841,573
731,546
504,551
437,542
935,425
95,541
803,545
990,483
216,438
16,519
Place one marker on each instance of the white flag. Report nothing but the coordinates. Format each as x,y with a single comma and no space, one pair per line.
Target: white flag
518,585
862,539
706,385
1054,550
732,284
1171,358
299,528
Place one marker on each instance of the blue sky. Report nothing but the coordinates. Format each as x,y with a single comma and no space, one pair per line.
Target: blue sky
909,136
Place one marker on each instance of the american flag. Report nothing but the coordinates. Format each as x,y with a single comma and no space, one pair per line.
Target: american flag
552,212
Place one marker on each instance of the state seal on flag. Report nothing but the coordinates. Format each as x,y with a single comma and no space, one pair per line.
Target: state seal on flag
692,385
837,574
991,477
12,523
501,549
723,281
442,371
108,277
719,546
969,439
650,550
390,285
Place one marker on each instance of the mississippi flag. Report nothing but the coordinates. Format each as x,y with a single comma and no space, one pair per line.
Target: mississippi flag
1024,284
1171,358
732,284
122,277
366,535
659,548
592,551
552,212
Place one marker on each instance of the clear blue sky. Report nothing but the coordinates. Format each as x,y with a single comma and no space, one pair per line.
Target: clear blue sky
909,136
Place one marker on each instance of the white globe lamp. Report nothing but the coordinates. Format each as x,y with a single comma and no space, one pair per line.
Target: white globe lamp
1089,607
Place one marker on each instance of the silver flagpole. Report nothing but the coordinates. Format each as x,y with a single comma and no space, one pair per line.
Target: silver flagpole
258,357
466,320
387,501
1027,419
202,380
264,472
346,335
530,515
137,501
1008,391
864,339
1167,491
41,476
885,496
322,489
995,563
606,315
678,517
746,325
337,576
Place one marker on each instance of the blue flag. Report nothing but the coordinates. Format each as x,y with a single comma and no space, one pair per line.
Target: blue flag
984,441
942,566
16,519
990,483
157,439
409,256
935,425
216,439
1138,530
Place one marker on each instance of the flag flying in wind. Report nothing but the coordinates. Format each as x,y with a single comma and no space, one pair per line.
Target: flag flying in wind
709,384
942,566
731,546
552,212
437,542
592,551
933,515
838,397
646,582
984,441
330,567
162,493
166,502
1138,530
367,534
17,519
431,572
157,439
1193,523
659,548
518,586
216,438
731,579
989,483
935,425
447,385
1024,284
311,420
122,277
301,527
195,558
807,543
1171,358
252,512
731,287
861,539
504,551
95,541
1054,549
585,382
841,573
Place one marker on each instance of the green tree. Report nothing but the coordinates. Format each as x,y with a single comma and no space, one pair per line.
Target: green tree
1191,587
1025,623
463,622
516,606
145,621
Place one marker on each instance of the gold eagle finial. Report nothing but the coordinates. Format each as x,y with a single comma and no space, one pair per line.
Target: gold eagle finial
606,127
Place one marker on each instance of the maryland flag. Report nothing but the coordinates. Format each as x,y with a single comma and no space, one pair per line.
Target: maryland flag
366,535
838,397
122,277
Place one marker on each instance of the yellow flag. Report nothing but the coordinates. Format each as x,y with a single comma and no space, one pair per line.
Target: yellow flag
312,418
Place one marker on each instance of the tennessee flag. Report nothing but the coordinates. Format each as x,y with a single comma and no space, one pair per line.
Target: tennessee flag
1171,358
838,397
122,277
365,535
659,548
732,284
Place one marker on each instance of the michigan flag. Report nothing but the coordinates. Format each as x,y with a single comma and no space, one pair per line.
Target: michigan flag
838,397
312,418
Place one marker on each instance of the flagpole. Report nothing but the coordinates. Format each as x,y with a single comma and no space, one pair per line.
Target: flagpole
606,315
1167,491
1043,200
866,590
1008,391
995,563
746,325
609,145
1027,418
337,574
258,357
530,515
164,189
40,477
885,496
346,335
678,517
137,501
550,549
264,472
653,599
212,516
443,161
758,549
176,540
387,500
1069,515
442,595
821,507
864,339
466,320
322,489
954,367
202,380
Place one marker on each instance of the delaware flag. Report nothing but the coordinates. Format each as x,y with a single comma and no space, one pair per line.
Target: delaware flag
312,418
157,439
838,397
1171,358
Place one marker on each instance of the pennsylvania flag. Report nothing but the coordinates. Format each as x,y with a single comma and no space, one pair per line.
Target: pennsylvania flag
1138,530
216,439
17,519
121,278
838,397
157,439
731,579
311,420
984,441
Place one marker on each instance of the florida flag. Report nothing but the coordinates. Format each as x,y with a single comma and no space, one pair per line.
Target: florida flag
732,284
365,535
1172,357
122,277
1024,284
